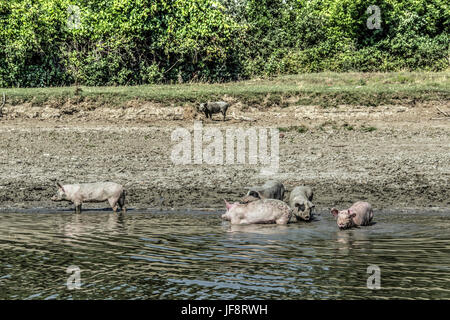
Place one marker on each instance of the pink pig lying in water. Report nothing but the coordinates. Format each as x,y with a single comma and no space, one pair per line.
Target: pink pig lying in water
359,214
259,211
92,192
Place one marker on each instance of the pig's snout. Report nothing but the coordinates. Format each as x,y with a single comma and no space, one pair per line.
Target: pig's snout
57,198
342,225
303,211
306,215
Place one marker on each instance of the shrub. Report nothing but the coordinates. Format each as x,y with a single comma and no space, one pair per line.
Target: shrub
162,41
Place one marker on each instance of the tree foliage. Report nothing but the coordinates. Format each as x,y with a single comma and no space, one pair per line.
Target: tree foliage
122,42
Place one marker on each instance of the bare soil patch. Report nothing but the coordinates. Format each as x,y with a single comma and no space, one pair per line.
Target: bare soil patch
390,155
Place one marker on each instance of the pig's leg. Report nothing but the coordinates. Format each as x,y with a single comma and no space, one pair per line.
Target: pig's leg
77,207
224,113
113,203
122,202
283,220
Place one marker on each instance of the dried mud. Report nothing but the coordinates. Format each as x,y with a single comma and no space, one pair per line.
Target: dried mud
395,156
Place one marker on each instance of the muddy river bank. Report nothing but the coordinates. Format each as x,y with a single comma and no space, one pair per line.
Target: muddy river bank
391,156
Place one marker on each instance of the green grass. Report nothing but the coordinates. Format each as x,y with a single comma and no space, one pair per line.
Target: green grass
326,89
299,129
348,127
367,129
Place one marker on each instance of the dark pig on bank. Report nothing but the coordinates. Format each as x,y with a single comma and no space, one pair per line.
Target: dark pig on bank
209,108
300,202
270,190
92,192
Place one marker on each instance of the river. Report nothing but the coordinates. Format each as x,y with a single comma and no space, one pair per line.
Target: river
195,255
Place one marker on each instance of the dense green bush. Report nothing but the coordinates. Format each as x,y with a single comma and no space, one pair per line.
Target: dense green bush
311,36
123,42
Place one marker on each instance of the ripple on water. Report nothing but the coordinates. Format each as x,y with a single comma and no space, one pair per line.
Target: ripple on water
197,256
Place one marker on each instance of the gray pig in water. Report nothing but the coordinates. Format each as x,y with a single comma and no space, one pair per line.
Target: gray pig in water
210,108
300,202
92,192
270,190
259,211
359,214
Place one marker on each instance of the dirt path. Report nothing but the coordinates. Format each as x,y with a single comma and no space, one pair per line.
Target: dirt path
392,156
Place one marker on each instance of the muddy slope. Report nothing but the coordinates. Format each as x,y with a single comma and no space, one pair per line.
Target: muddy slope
391,155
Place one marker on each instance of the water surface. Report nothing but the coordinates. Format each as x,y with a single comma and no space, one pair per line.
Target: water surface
194,255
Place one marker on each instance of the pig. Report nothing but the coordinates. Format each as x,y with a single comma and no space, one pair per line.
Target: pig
270,190
359,214
209,108
300,202
92,192
259,211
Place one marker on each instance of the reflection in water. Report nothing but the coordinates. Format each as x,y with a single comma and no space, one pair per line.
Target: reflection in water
197,256
78,225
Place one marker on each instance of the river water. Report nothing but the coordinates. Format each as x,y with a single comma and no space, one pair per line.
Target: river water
195,255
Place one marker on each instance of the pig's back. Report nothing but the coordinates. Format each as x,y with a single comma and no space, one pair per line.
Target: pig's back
268,209
363,212
302,192
99,191
217,106
273,189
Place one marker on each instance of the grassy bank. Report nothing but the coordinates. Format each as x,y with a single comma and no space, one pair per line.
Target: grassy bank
326,89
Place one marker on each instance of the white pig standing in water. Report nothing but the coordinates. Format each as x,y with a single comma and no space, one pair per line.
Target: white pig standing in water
259,211
359,214
92,192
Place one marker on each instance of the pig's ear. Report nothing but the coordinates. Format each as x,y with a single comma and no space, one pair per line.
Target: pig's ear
227,204
334,212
